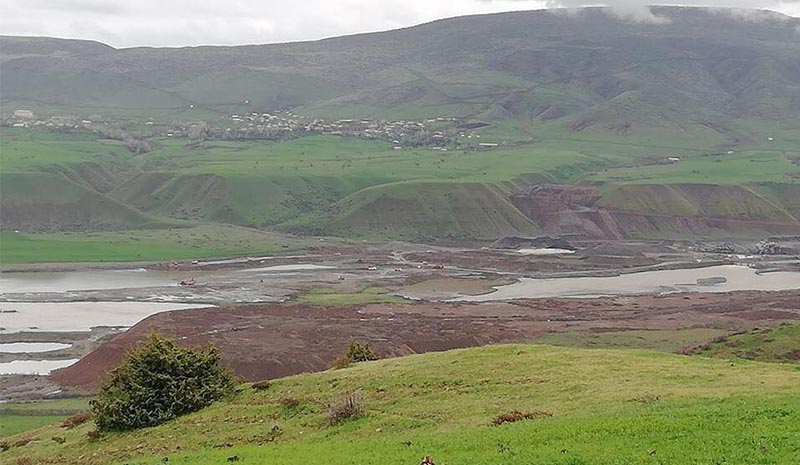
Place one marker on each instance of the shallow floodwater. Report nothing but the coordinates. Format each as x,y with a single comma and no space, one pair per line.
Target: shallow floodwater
63,281
545,251
737,278
32,347
33,367
297,267
80,316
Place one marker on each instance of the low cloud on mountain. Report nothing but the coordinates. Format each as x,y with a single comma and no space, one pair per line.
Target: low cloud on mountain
196,22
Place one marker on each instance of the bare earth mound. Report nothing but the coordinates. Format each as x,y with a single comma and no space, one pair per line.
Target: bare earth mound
276,340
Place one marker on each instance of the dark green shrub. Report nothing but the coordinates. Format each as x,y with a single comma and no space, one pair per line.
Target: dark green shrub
358,352
158,381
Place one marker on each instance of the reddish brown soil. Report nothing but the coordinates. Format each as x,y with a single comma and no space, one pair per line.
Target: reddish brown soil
274,340
575,210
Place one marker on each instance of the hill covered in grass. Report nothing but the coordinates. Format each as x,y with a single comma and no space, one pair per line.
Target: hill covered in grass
588,406
686,128
701,71
777,344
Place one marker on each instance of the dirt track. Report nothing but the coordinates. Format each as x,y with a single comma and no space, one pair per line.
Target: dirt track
273,340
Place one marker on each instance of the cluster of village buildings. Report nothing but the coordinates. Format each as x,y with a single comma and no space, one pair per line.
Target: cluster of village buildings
437,133
27,119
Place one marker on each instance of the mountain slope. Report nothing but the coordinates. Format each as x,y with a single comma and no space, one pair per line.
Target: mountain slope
703,68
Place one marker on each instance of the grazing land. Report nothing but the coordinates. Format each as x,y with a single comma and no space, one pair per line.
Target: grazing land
606,405
18,417
342,143
416,191
780,343
202,241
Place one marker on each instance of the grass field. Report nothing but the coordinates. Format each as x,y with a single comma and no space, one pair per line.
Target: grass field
607,406
657,340
738,168
16,418
203,241
778,344
344,186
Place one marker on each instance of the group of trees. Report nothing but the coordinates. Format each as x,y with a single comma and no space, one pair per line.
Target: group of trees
136,143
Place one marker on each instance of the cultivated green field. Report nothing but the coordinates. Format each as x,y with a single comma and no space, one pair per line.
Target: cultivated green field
607,406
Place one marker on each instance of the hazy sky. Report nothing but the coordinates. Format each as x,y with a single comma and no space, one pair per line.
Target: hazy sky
194,22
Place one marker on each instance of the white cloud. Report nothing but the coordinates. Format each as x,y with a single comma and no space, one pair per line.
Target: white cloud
195,22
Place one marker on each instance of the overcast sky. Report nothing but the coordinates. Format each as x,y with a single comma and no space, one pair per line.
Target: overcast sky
224,22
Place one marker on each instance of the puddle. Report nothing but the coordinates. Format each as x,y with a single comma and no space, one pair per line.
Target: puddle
32,347
297,267
545,251
80,316
34,367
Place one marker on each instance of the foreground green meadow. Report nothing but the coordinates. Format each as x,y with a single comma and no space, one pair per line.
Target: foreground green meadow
607,406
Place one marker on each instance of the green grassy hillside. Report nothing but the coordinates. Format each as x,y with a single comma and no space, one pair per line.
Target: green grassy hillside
778,344
622,407
419,210
693,200
328,185
34,201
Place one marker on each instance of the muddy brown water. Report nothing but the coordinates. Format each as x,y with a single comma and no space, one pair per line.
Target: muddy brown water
65,281
725,278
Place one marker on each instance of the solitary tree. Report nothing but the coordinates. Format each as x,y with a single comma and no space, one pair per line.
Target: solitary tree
158,381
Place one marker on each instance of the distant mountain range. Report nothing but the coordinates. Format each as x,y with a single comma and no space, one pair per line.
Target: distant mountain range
588,69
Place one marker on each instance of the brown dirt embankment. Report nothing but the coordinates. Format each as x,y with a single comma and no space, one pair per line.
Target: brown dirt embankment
654,211
274,340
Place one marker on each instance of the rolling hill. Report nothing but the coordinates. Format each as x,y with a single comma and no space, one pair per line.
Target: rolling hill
685,126
594,407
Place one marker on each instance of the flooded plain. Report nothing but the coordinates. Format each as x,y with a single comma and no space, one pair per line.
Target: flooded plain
32,347
66,281
80,316
34,367
724,278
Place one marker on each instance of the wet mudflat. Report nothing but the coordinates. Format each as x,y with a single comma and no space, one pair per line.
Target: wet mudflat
725,278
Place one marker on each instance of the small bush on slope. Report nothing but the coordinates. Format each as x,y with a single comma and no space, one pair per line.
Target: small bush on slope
360,352
349,407
356,352
159,381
